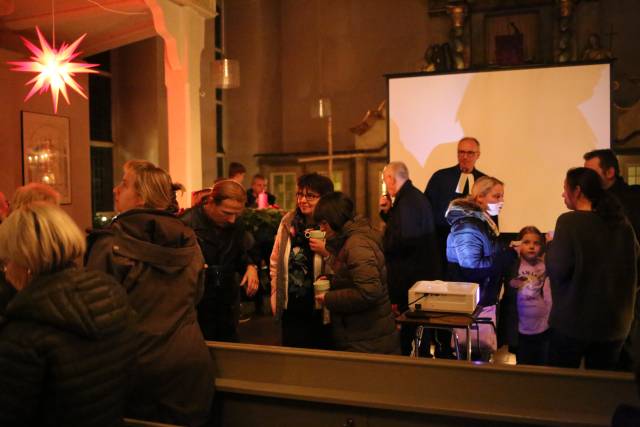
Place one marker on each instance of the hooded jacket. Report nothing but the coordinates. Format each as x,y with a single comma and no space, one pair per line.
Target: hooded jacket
361,314
472,249
66,350
158,261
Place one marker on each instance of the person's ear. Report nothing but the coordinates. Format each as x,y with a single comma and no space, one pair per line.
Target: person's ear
610,173
577,192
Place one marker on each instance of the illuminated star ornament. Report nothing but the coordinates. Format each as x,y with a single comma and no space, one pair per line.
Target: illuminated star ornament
54,67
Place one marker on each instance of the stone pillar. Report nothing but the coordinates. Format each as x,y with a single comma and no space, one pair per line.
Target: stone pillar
183,29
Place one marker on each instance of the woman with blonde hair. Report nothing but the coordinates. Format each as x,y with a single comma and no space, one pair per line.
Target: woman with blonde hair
471,245
158,261
35,192
66,340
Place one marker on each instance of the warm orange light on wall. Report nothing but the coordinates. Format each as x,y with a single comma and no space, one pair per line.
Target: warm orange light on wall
54,67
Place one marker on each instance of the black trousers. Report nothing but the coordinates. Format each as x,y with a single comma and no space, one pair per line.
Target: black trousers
533,349
219,317
305,330
567,352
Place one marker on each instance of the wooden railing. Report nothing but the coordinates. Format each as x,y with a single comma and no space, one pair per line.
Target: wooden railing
452,390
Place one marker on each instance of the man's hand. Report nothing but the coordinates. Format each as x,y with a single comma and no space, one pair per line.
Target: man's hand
250,279
318,246
385,203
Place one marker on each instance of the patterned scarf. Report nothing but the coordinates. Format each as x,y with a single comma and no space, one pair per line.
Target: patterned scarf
300,259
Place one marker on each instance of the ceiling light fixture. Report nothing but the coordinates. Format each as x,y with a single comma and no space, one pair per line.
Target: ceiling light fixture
54,67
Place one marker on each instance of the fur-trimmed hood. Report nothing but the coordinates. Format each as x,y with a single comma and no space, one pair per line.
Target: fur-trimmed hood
463,208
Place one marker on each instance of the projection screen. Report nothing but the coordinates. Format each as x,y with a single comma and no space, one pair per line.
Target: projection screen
533,124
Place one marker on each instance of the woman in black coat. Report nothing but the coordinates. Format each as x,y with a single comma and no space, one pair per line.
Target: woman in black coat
157,260
592,262
66,347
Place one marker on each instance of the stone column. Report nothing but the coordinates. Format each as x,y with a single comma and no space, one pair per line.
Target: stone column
182,28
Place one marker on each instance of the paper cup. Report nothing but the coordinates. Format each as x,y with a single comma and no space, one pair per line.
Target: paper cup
320,287
314,234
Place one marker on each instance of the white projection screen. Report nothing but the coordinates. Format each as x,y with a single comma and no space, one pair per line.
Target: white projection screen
533,124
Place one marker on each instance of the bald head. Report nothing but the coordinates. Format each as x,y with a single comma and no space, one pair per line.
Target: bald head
395,174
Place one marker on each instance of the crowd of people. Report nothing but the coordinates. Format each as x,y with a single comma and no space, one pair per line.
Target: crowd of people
125,333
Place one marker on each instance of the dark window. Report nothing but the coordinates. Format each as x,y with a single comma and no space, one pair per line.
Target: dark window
100,108
220,167
219,125
101,179
102,59
218,28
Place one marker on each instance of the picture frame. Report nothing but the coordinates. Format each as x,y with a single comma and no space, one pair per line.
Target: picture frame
45,152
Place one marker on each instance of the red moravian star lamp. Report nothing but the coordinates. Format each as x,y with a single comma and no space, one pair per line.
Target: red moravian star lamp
54,67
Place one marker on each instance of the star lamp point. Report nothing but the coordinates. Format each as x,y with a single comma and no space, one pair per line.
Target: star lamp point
55,68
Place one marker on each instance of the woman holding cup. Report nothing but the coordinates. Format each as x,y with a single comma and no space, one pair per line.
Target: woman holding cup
297,260
358,300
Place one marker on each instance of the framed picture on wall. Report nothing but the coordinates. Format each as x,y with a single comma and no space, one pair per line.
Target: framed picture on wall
45,152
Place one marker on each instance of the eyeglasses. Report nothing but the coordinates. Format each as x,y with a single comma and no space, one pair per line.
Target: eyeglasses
309,196
467,153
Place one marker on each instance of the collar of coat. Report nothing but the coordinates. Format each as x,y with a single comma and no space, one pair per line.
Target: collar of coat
464,209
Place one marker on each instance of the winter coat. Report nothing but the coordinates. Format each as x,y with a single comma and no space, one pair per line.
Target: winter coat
225,250
472,249
410,247
361,314
629,198
593,270
66,351
158,261
279,264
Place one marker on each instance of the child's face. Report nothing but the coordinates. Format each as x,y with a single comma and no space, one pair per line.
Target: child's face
530,247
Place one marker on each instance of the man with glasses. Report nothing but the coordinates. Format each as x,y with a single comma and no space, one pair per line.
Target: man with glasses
451,183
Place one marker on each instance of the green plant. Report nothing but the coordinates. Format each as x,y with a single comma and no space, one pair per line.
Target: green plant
262,223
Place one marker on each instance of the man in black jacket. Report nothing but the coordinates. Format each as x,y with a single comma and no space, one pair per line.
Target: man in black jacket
605,163
450,183
409,239
224,245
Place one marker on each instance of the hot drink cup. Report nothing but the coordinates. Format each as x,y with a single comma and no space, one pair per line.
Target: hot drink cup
314,234
320,286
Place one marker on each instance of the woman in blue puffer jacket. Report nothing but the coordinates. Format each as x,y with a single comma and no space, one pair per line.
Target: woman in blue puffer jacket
471,245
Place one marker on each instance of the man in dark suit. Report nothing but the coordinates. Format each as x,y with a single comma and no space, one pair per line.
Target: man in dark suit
451,183
409,240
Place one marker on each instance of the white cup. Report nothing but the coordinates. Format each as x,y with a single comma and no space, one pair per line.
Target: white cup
320,286
314,234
